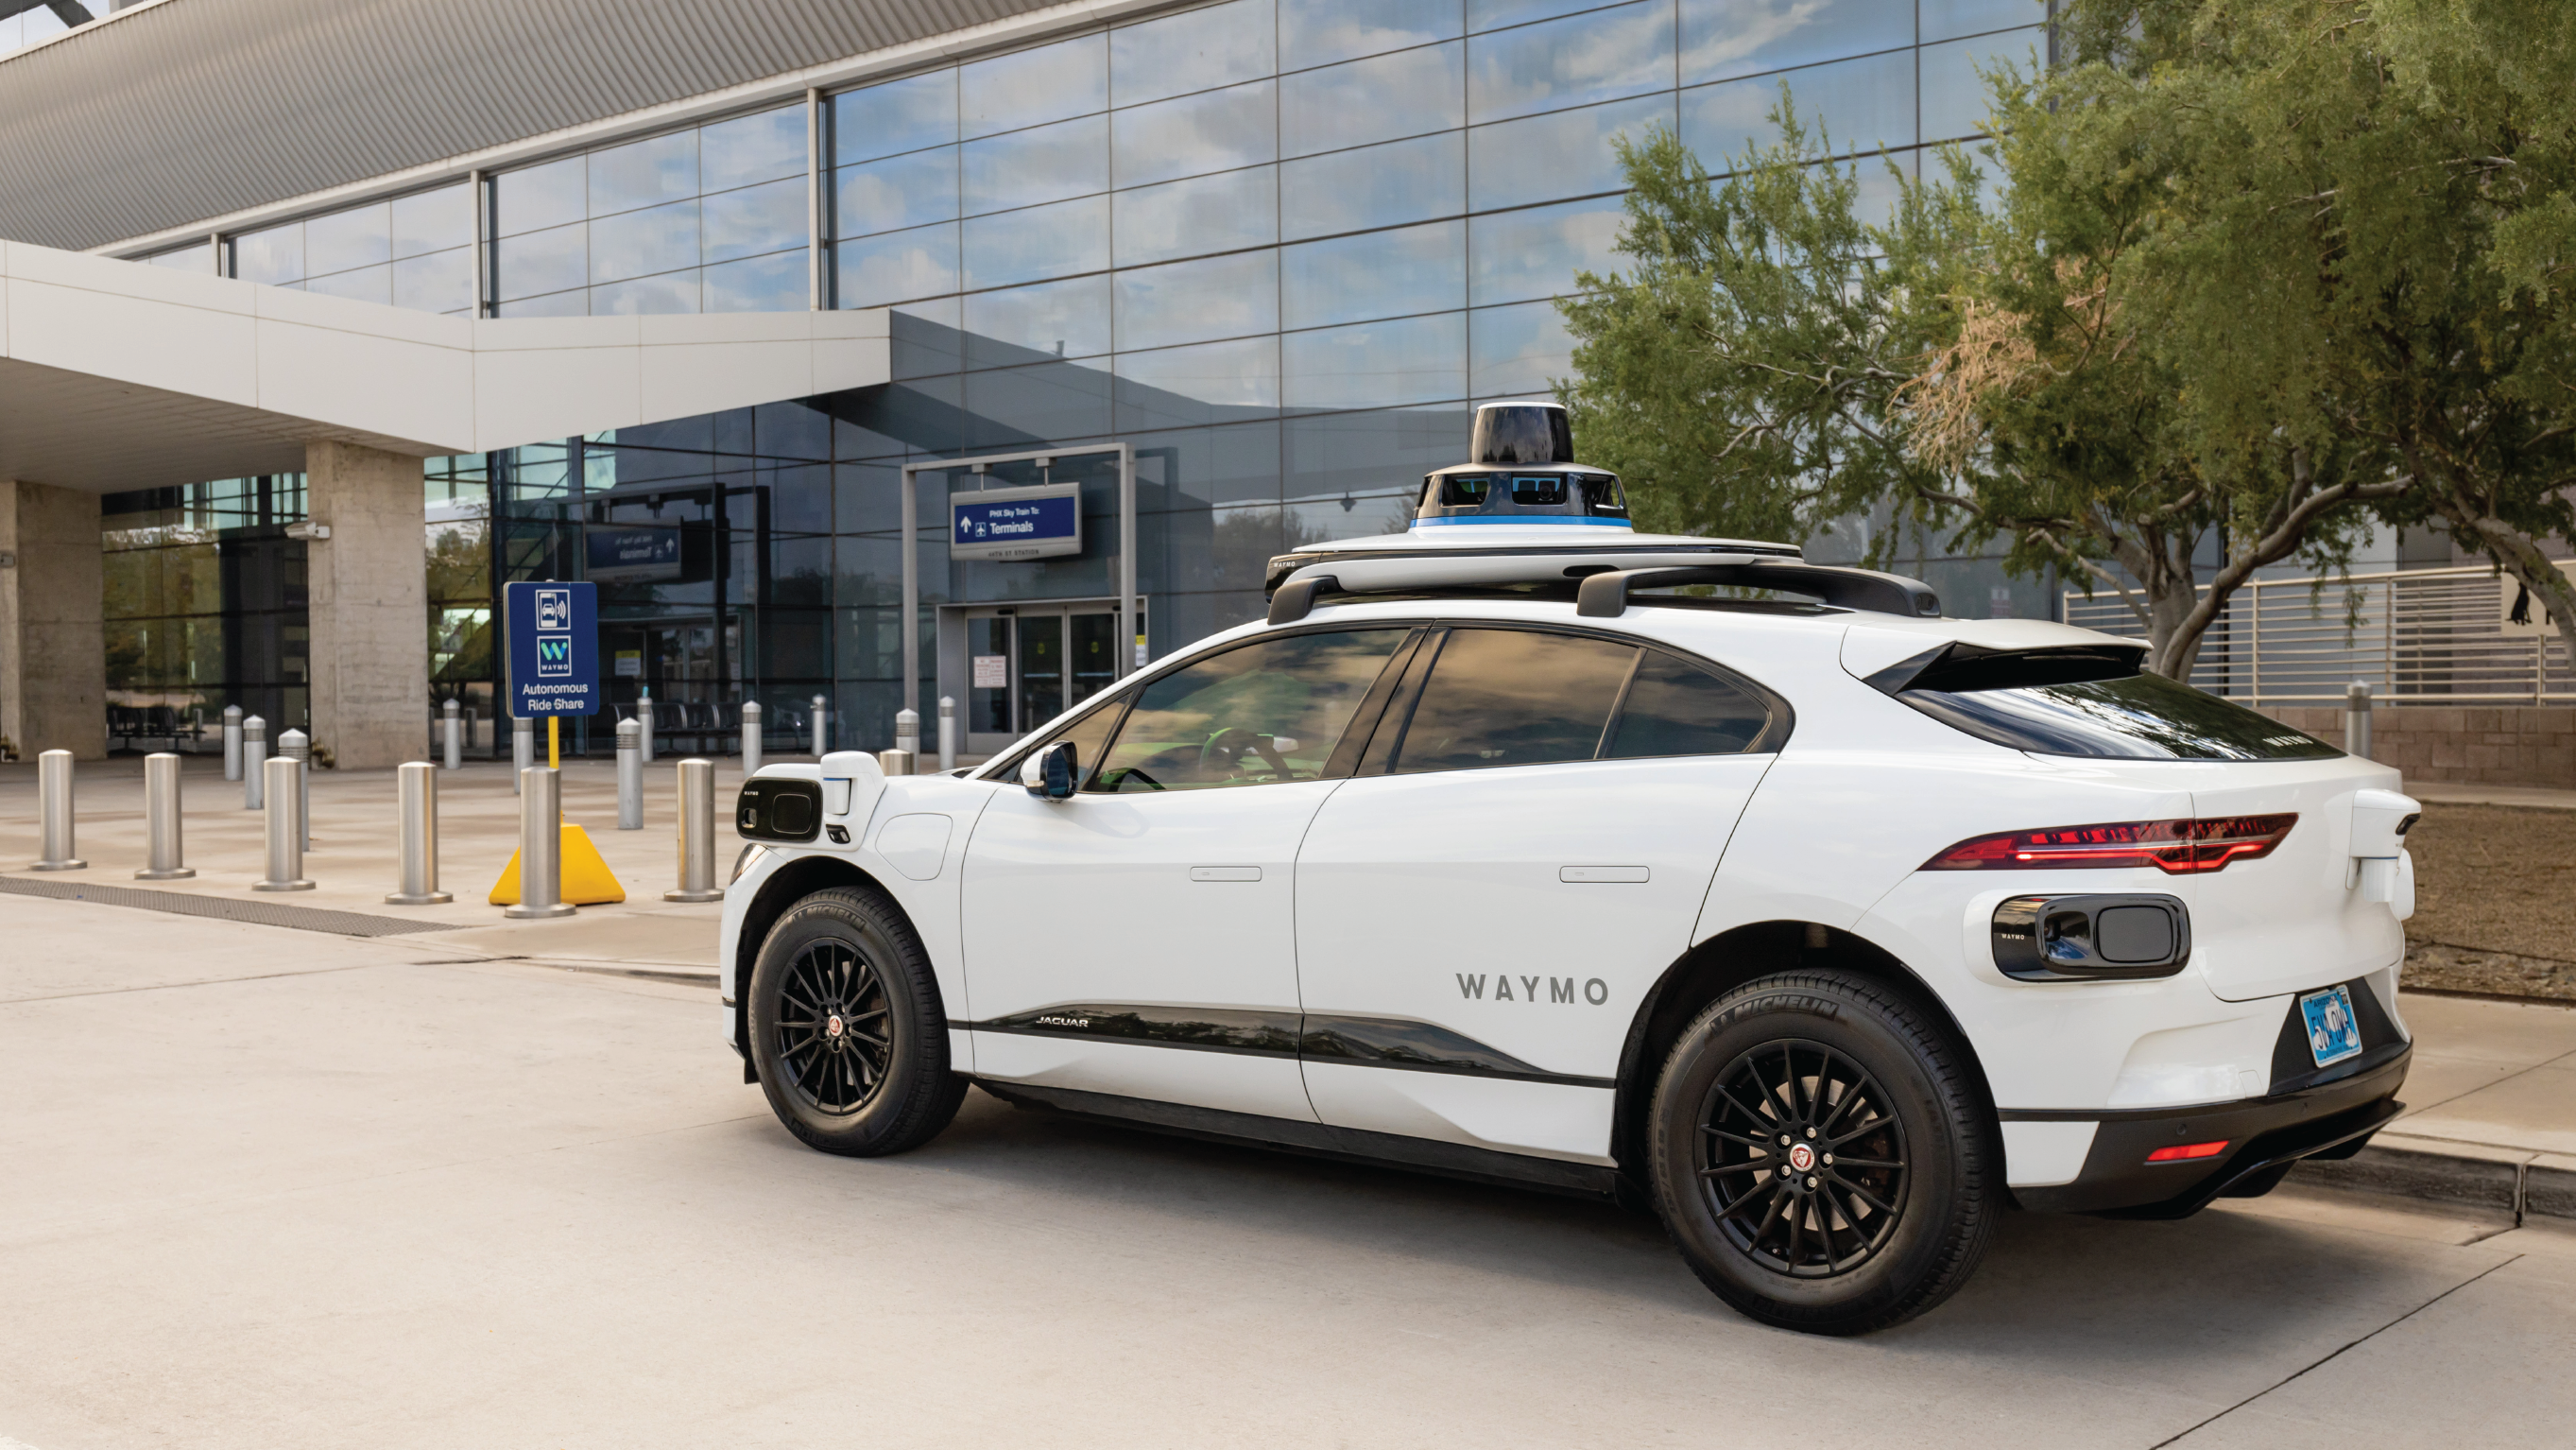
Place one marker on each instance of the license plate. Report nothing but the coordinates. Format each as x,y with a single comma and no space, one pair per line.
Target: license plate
2334,1033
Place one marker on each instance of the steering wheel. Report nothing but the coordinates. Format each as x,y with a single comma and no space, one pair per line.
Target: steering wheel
1131,773
1227,748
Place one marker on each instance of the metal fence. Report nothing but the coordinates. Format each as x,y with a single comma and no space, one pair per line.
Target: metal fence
2417,636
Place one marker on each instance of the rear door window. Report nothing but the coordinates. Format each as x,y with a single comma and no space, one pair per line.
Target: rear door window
1514,697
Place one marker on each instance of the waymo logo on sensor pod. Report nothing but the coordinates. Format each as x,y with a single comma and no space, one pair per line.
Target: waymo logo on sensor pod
1559,989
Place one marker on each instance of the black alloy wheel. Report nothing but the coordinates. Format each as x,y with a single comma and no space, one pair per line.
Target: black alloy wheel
1802,1159
1821,1155
831,1021
847,1032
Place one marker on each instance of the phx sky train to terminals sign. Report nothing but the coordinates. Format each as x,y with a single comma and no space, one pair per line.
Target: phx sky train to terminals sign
554,648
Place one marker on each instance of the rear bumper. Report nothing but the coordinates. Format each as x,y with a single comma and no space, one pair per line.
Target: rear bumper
2331,1120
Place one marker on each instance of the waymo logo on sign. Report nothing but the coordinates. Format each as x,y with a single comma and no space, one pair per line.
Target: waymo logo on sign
554,656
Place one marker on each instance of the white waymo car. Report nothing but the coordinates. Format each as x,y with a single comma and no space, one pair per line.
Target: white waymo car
1831,929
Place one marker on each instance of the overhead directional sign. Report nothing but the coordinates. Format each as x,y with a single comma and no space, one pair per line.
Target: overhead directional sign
1016,523
554,649
633,556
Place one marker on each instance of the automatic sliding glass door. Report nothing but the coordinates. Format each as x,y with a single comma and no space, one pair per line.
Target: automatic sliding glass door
1028,663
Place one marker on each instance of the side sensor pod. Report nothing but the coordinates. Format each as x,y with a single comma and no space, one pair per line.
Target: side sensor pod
2091,938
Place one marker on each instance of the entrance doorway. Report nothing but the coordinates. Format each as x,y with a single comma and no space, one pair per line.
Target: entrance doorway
1025,664
680,661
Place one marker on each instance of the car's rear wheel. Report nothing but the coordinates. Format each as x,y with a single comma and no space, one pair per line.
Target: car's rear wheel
1820,1155
847,1030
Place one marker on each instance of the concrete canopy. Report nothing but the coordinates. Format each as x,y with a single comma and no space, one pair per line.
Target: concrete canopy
118,376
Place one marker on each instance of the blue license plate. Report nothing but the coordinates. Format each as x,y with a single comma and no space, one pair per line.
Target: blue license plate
2334,1033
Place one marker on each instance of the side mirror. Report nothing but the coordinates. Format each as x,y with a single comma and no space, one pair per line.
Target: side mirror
1052,773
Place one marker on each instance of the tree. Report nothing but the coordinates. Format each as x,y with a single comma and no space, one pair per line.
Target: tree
2061,381
2360,247
2266,270
1738,377
1772,365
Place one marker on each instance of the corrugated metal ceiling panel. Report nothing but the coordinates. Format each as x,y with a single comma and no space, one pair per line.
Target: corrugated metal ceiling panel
199,108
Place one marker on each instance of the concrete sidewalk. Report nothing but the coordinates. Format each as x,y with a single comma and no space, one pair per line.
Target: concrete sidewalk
355,860
2491,1100
2490,1118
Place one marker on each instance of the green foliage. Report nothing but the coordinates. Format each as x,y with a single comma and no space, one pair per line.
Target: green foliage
1738,376
2357,255
2264,270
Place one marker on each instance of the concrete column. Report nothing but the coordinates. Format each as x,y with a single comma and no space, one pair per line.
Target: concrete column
370,605
53,642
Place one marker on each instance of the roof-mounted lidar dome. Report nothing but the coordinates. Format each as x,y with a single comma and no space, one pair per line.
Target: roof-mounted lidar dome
1523,473
1509,434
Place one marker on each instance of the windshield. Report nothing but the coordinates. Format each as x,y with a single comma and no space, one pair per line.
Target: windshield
2134,717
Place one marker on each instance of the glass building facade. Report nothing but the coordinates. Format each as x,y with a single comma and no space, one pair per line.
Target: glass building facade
205,607
414,251
710,219
1277,248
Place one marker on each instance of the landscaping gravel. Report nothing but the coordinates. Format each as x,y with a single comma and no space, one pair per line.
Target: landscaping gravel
2495,901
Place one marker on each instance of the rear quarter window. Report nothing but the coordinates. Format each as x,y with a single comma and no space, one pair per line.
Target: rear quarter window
2090,703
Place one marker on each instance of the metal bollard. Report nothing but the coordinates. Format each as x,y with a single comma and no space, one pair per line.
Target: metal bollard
540,845
54,804
819,737
751,737
907,731
285,826
630,776
293,745
644,723
697,833
416,796
947,732
454,740
254,751
523,750
232,742
895,762
161,819
2356,719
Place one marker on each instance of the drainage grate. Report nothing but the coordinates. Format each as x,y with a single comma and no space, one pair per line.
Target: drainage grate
262,913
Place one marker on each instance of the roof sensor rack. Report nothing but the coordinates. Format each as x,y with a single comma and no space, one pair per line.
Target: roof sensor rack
1605,595
1603,591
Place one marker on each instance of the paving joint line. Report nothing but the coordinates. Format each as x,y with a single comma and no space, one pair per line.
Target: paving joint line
224,908
2418,1109
202,982
2329,1359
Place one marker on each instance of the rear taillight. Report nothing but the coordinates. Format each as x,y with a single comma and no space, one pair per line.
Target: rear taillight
2176,847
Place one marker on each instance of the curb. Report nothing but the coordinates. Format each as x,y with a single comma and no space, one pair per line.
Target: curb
2516,1181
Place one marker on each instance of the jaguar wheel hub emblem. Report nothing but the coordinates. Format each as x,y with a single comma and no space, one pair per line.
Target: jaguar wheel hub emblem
833,1026
1802,1157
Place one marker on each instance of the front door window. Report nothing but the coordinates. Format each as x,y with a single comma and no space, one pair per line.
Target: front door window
1257,715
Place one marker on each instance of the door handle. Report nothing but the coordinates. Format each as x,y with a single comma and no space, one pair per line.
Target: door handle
1225,873
1595,875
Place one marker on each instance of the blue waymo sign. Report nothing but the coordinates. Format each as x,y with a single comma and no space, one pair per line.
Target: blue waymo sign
553,660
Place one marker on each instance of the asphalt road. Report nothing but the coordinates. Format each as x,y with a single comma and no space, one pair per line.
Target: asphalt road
265,1188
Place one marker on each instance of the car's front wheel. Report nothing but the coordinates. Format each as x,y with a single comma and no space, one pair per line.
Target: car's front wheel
1820,1156
847,1031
